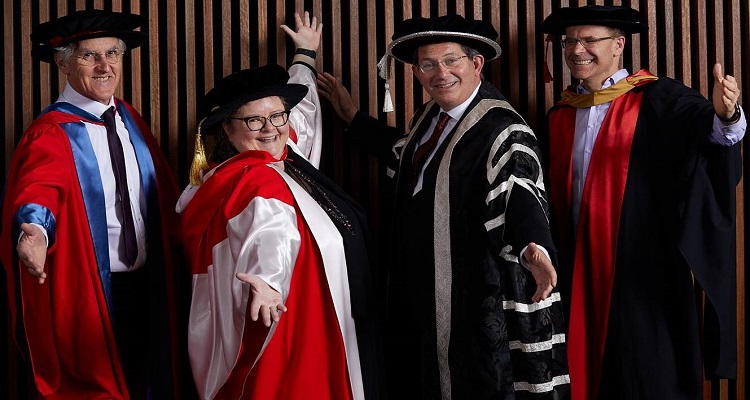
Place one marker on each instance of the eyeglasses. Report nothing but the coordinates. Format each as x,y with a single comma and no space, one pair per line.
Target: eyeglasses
257,123
89,58
449,63
587,42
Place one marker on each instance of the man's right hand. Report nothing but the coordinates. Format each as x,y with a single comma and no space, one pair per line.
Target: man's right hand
32,250
332,90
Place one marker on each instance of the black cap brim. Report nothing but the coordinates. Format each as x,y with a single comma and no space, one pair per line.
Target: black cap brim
132,39
404,48
624,18
292,93
413,33
86,24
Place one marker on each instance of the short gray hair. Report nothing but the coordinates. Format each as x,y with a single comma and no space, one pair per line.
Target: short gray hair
65,52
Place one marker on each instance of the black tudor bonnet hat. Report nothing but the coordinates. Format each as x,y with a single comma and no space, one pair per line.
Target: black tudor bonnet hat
620,17
412,33
415,32
235,90
244,86
87,24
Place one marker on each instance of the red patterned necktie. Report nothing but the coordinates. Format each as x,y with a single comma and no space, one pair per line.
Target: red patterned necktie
424,150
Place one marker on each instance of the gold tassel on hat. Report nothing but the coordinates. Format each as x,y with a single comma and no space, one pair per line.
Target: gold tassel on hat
199,159
384,72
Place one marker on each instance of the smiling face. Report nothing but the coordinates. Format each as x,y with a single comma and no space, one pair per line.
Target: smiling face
269,138
99,81
448,87
597,63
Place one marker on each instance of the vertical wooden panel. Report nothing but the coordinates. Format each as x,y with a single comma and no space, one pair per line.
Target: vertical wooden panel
372,56
530,62
194,42
191,75
262,34
9,76
316,11
650,11
668,31
173,92
154,69
226,35
136,74
388,34
549,49
684,39
407,89
44,68
26,89
511,53
8,355
701,82
208,46
280,46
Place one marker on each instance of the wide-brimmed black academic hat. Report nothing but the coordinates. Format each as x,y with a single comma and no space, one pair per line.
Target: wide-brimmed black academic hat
620,17
87,24
241,87
415,32
233,91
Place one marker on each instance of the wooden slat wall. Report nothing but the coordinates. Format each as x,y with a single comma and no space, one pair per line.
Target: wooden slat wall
194,42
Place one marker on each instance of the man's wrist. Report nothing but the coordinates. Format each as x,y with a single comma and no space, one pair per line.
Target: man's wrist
734,118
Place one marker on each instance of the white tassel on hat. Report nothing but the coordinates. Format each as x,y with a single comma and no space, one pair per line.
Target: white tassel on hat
384,72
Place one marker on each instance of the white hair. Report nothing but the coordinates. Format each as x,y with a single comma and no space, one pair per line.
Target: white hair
65,52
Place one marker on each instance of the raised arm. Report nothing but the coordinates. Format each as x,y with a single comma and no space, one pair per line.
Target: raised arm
305,118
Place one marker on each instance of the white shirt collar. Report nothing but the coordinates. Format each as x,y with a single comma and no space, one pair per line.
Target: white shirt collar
70,95
616,77
457,111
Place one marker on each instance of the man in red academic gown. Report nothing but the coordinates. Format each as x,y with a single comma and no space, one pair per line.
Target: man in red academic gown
84,228
642,187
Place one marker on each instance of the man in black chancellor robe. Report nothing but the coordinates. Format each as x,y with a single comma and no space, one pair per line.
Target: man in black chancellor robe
465,318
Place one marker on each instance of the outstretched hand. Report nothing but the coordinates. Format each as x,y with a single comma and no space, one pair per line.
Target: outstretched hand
331,89
306,33
32,250
725,94
542,270
266,302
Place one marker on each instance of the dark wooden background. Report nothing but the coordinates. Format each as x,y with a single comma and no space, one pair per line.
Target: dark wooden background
194,42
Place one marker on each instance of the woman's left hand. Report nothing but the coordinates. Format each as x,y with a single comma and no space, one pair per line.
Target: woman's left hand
306,33
266,302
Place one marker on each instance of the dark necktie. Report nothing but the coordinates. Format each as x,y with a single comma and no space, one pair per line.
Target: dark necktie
121,186
424,150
